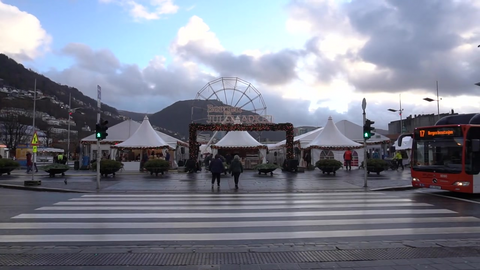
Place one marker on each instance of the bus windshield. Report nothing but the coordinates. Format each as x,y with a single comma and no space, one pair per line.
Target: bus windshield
435,150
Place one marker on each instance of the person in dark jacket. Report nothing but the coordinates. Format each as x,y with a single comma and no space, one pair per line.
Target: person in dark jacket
237,168
216,168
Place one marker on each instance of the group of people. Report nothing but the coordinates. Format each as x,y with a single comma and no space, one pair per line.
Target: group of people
348,157
216,167
60,159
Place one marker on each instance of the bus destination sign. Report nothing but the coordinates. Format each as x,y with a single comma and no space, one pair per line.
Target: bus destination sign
424,133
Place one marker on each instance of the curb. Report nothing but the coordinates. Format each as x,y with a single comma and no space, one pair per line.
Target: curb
399,188
38,188
88,174
44,189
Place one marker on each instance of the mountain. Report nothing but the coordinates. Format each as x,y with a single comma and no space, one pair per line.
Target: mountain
133,115
179,115
16,78
173,120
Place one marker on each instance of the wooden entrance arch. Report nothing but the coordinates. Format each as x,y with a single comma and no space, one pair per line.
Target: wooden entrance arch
194,127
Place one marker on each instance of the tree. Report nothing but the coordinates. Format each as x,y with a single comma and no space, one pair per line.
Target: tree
14,133
50,136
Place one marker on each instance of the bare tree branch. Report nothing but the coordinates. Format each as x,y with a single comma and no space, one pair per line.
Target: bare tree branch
14,133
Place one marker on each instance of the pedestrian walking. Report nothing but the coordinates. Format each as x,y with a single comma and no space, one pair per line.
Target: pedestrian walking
29,162
399,158
216,168
237,168
347,157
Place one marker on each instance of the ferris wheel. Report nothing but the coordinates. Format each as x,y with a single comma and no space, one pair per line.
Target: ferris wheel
229,91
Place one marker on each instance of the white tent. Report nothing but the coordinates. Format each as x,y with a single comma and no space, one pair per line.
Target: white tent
144,137
240,139
355,133
330,138
300,141
124,130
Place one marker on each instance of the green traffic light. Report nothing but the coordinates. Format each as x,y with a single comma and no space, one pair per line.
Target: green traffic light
99,135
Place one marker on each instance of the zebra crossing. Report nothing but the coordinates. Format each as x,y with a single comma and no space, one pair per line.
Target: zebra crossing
233,217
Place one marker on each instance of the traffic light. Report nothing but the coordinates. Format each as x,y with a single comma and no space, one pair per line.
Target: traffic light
98,132
101,130
367,129
104,129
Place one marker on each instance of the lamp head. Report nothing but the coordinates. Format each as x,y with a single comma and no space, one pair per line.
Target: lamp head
428,99
392,110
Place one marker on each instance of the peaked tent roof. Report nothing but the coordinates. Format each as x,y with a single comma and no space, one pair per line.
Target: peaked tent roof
124,130
303,139
355,132
144,137
238,139
332,138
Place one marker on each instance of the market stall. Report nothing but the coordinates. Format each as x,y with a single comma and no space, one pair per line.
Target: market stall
330,143
145,140
120,133
243,144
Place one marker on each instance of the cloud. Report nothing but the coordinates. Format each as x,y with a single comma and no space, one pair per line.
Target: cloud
22,35
375,51
143,10
195,42
128,86
392,45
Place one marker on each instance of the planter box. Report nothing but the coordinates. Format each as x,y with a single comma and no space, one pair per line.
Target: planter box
52,172
156,171
266,171
374,170
328,170
107,172
6,171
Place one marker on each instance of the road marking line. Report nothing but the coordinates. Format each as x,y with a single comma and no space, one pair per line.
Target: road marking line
213,199
232,202
228,224
231,215
228,195
236,236
228,207
459,199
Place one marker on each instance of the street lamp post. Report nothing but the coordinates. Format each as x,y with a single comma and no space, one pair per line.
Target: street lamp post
34,157
400,112
34,129
438,102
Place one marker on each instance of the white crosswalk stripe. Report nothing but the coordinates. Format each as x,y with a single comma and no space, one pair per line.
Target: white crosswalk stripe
232,217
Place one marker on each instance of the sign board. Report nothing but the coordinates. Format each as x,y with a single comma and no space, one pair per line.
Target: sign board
34,149
229,115
34,139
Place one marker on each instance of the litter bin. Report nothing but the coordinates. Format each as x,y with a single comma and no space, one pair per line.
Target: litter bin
76,165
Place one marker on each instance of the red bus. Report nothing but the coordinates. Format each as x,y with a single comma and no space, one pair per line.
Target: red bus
447,156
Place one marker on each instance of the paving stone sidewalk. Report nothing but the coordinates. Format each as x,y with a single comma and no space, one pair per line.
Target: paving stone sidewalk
250,181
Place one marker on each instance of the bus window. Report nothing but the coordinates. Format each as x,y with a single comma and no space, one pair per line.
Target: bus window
472,158
441,154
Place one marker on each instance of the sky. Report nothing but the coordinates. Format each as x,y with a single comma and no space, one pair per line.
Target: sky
307,59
